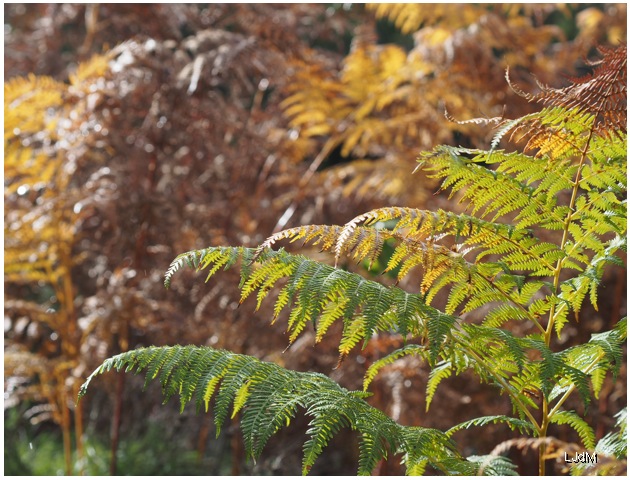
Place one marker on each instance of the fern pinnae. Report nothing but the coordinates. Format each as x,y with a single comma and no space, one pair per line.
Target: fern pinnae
263,278
375,307
324,234
438,373
514,423
330,415
209,257
510,344
240,369
174,267
353,332
272,404
578,424
500,315
611,344
297,322
310,299
332,312
550,364
215,367
176,374
493,465
154,367
598,376
427,445
240,397
479,182
374,442
375,367
407,308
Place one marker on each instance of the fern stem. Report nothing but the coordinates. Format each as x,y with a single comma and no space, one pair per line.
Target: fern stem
542,434
546,415
565,235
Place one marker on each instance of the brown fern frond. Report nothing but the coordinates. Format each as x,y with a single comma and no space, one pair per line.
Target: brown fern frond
597,102
326,235
602,92
476,121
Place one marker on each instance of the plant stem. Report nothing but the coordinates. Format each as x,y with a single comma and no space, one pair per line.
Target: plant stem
546,415
542,433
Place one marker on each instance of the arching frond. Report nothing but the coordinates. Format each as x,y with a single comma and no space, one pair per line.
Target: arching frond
438,373
324,294
453,251
270,396
514,424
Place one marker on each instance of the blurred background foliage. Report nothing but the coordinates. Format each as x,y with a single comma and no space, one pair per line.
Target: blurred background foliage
137,132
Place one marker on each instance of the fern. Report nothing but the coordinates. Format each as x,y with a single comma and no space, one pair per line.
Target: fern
539,230
493,465
270,396
616,443
323,294
611,450
579,425
513,423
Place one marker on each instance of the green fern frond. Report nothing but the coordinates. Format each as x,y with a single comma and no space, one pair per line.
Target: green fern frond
574,290
463,170
592,360
514,424
491,237
269,398
375,442
501,347
555,371
494,465
524,386
375,367
578,424
324,294
473,283
441,371
615,444
413,447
